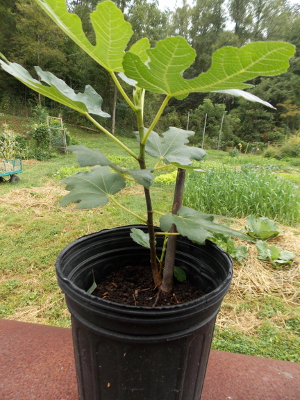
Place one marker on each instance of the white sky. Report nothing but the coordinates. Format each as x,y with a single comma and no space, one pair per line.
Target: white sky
172,4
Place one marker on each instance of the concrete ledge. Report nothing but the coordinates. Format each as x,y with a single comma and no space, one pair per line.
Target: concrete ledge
36,363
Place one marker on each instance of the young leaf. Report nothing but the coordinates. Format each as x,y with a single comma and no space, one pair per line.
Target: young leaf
140,237
111,30
92,188
94,285
230,67
171,147
261,228
179,274
196,225
87,102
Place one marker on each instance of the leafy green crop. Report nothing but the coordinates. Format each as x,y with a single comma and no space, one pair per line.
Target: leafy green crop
261,228
274,254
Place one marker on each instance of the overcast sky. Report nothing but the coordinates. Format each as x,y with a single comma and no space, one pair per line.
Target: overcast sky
172,4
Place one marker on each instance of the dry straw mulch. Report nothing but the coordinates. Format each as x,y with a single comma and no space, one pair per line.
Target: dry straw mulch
256,281
45,197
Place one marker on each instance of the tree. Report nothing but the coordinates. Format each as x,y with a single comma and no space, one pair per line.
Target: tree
207,22
240,14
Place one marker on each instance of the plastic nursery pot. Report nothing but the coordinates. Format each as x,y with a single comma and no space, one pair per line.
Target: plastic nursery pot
140,353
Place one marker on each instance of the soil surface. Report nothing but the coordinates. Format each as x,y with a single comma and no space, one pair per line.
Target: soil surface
134,286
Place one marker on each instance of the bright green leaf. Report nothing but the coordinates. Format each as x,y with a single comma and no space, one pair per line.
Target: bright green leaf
92,188
111,30
140,49
261,228
230,67
171,147
163,74
273,254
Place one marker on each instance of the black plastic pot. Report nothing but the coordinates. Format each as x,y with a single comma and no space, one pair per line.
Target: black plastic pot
140,353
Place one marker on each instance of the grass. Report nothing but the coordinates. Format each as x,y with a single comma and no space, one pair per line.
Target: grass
259,316
239,193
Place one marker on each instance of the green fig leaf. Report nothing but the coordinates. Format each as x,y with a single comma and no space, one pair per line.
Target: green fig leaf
230,67
87,102
142,176
140,49
197,226
92,188
171,147
87,157
111,30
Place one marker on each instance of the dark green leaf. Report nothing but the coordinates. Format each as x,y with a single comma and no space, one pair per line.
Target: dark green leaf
179,274
197,226
171,147
87,157
142,176
92,188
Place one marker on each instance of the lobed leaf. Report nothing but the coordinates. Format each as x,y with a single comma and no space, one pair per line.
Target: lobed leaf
87,158
111,30
197,226
171,147
230,67
88,102
92,188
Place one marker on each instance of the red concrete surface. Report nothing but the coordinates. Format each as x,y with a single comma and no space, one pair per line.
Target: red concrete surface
36,363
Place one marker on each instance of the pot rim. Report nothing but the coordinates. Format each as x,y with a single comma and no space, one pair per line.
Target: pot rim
82,296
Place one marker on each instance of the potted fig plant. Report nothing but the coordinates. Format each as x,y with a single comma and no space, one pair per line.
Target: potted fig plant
144,351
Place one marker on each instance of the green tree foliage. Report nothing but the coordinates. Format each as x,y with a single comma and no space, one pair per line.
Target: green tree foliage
38,41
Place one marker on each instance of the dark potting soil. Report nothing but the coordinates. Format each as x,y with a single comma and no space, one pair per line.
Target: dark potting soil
134,286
